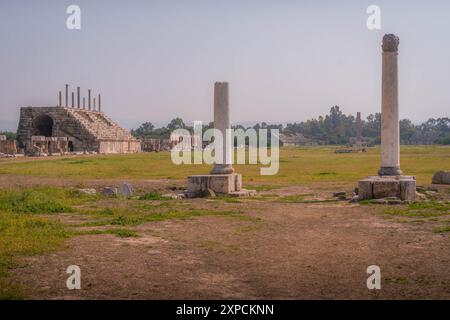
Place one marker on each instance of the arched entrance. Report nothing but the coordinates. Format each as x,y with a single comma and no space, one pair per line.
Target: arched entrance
43,126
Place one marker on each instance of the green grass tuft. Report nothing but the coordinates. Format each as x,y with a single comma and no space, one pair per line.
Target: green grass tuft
153,196
41,200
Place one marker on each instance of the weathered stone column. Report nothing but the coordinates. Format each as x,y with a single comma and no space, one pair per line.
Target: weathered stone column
390,127
60,99
222,123
89,99
78,97
99,103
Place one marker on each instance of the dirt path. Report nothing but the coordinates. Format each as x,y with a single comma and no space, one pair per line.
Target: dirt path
292,251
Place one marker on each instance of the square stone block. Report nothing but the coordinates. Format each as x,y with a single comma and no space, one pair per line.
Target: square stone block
365,189
219,183
385,188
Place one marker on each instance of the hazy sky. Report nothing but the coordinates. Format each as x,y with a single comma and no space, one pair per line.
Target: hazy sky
285,60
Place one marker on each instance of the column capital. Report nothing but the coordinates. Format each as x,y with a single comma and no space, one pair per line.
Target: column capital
390,43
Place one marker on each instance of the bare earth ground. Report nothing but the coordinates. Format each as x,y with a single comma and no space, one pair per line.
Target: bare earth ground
282,251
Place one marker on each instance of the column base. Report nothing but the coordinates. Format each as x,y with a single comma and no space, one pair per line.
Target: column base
380,187
222,169
219,183
390,171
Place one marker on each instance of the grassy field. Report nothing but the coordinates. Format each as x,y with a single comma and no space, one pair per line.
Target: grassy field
297,166
27,226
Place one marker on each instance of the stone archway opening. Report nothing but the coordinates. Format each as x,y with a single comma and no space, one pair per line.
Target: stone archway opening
43,126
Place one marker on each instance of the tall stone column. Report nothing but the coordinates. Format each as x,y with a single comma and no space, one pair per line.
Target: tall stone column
78,97
222,123
67,95
390,126
89,99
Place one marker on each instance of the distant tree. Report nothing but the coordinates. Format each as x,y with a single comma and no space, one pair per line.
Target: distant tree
146,129
333,128
175,124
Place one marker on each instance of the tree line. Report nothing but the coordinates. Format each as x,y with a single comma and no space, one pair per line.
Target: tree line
335,128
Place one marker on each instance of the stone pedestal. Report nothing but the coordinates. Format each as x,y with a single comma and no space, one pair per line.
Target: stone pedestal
379,187
219,183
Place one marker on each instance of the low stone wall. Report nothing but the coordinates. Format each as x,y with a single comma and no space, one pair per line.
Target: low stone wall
156,145
113,146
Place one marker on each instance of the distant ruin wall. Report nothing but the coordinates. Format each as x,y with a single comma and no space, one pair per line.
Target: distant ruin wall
119,146
157,145
8,147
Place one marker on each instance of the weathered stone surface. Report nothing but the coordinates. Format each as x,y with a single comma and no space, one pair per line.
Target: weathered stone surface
394,201
420,189
85,130
222,124
421,196
408,190
430,194
219,183
243,193
441,177
390,43
8,147
126,190
384,188
91,192
175,196
156,145
378,201
365,189
390,133
211,193
237,182
109,191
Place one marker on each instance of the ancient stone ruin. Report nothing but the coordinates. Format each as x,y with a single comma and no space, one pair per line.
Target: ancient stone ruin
7,147
74,129
390,182
222,179
441,177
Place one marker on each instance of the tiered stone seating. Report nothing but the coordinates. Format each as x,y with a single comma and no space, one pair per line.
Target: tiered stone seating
99,125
